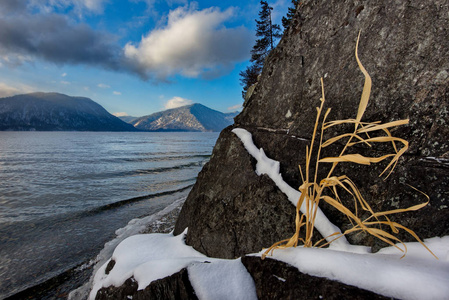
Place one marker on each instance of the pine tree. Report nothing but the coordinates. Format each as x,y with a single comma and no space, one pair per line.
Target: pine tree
268,33
290,13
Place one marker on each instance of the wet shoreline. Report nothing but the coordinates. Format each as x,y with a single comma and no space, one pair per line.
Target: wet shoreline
61,285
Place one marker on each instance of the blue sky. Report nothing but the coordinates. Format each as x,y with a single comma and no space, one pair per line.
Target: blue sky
131,56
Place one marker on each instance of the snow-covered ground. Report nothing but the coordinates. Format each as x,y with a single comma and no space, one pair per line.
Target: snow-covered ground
154,256
149,257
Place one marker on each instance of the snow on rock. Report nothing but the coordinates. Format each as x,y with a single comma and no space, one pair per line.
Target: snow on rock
222,279
270,167
153,256
149,257
417,276
438,245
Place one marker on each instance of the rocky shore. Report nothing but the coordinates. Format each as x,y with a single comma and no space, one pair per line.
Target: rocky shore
61,286
234,210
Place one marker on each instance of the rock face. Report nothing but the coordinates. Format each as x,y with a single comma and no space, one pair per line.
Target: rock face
56,112
404,46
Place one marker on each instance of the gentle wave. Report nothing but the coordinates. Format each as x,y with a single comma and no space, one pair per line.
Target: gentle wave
64,194
138,172
136,199
65,213
153,158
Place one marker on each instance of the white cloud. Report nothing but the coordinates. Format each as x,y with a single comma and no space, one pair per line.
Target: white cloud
92,5
235,107
120,114
64,82
116,93
7,90
177,102
103,86
13,59
79,6
64,74
193,43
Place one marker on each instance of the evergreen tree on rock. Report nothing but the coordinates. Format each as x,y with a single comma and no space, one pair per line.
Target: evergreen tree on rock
290,13
267,34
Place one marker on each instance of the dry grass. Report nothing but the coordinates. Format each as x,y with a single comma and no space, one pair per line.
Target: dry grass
314,190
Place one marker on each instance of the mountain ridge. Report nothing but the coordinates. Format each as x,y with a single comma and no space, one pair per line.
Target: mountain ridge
193,117
42,111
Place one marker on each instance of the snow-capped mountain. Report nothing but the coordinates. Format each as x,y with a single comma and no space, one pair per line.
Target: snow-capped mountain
56,112
195,117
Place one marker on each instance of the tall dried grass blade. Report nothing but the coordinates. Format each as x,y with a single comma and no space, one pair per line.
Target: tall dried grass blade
341,208
355,158
366,87
358,195
339,137
382,139
383,126
394,161
411,232
400,210
347,121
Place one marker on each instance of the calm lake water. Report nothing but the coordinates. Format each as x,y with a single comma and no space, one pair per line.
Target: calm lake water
64,194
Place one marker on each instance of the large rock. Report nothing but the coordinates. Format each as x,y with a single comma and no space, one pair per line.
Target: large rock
176,286
277,280
233,211
404,47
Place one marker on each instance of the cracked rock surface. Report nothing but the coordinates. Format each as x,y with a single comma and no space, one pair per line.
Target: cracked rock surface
231,211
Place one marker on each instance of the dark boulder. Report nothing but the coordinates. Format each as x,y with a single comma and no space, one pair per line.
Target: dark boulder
176,286
231,211
237,210
278,280
404,47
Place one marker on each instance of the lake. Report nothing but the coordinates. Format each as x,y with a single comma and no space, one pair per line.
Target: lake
64,194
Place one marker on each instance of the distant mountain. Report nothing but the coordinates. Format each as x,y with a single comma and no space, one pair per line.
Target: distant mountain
127,119
56,112
195,117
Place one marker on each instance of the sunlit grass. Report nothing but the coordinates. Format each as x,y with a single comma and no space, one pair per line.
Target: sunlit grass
328,189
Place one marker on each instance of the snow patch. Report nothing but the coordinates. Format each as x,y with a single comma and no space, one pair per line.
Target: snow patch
417,276
149,257
135,226
153,256
222,279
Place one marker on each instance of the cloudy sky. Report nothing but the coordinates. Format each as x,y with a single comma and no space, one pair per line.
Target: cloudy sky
133,57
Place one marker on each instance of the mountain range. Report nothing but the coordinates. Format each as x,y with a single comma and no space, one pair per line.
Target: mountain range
58,112
195,117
